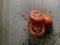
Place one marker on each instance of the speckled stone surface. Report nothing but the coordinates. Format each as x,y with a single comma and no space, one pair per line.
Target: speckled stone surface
15,22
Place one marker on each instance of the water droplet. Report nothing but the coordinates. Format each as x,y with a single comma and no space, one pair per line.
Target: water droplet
14,16
59,34
23,15
26,19
19,13
26,12
49,11
24,29
11,34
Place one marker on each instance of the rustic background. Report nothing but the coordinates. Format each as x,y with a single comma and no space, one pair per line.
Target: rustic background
14,22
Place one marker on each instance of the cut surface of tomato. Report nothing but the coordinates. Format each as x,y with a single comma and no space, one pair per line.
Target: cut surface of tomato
36,17
37,31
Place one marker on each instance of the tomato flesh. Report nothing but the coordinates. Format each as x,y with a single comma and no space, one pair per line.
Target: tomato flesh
36,17
37,31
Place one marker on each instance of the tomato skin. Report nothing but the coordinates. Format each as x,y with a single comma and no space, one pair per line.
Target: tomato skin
36,17
36,33
48,20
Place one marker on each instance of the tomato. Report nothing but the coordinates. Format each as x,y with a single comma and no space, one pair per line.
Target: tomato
36,17
48,20
37,30
38,22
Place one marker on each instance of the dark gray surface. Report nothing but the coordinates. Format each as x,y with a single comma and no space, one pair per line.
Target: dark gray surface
0,22
15,22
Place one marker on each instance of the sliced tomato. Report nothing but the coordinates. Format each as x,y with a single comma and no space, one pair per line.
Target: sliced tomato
38,22
37,30
36,17
48,20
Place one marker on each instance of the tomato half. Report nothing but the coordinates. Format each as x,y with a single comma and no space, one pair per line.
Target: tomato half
37,30
36,17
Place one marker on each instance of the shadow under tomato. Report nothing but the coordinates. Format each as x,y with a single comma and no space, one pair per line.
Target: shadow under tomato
43,39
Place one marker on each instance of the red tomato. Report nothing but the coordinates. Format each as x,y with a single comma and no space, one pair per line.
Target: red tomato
37,31
38,22
48,20
36,17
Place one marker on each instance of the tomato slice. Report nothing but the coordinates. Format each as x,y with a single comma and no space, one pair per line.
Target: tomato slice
37,30
36,17
48,20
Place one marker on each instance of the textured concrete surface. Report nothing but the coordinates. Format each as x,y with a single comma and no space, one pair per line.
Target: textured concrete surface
15,22
0,22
